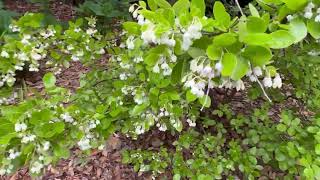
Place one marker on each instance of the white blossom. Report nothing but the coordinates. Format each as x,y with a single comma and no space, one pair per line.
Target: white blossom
84,144
257,71
193,32
267,82
66,117
218,67
277,82
36,167
191,123
149,35
5,54
131,8
91,31
75,58
156,68
139,130
317,18
13,154
290,18
14,28
123,76
162,127
20,127
239,85
130,42
22,56
28,138
36,56
46,145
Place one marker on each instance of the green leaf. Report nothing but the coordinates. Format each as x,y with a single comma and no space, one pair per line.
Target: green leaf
200,6
132,27
190,97
224,40
258,55
221,15
181,6
49,80
281,39
176,177
205,101
151,59
42,116
152,4
241,69
196,52
281,127
61,152
298,29
178,71
229,62
280,156
162,3
313,28
139,109
295,4
4,140
256,25
257,39
253,10
308,172
214,52
49,130
317,149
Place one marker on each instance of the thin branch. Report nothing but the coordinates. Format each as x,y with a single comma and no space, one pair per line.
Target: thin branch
237,2
262,87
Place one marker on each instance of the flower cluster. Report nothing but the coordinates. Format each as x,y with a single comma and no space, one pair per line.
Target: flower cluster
309,13
49,44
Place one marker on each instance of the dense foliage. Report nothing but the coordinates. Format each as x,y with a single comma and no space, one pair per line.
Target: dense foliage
167,75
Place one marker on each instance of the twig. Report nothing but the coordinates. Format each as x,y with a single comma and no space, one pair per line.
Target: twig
262,87
237,2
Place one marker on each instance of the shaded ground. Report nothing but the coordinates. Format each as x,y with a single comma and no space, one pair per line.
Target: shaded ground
59,9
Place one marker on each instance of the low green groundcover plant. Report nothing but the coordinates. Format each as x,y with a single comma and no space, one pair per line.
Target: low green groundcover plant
165,76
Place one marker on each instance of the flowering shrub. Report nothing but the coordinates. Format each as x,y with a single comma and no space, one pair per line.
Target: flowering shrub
40,131
174,56
30,43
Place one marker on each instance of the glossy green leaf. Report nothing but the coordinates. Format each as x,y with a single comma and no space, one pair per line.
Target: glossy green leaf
258,55
281,39
214,52
295,4
152,4
253,10
181,6
190,97
298,29
205,101
241,69
49,130
224,40
49,80
162,3
221,15
229,62
200,5
256,25
314,28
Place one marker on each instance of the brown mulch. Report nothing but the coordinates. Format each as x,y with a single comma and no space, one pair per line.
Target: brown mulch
60,10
